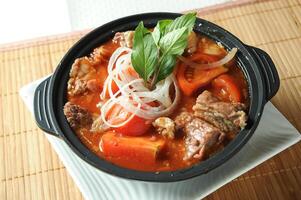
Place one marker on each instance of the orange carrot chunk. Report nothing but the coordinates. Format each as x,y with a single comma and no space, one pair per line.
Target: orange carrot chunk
139,149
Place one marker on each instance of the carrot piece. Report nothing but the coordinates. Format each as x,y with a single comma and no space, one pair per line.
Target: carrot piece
191,79
139,149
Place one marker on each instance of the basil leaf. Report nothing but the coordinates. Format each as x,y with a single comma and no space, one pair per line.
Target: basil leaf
155,53
166,67
187,21
174,42
160,29
145,54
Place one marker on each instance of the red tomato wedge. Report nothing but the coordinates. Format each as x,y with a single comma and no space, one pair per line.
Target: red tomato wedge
138,149
134,127
225,87
191,79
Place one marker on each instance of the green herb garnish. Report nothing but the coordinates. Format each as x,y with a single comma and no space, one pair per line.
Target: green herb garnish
154,53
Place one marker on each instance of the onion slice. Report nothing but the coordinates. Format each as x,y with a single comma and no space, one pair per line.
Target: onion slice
132,95
221,62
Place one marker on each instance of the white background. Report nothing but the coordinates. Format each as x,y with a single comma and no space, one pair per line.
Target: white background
26,19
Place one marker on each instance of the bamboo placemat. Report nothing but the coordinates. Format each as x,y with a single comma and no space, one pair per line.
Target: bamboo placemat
31,170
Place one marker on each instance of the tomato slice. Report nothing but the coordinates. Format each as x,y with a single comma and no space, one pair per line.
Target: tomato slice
226,88
134,127
124,148
191,79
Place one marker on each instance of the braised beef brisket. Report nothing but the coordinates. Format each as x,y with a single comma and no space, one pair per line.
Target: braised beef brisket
208,125
228,117
200,135
81,77
77,116
165,126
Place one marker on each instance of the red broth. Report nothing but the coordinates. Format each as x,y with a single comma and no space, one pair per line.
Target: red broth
172,157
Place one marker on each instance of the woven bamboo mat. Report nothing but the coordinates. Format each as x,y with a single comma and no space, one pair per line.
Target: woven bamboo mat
31,170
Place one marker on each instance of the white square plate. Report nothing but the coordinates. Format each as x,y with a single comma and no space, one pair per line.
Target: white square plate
273,135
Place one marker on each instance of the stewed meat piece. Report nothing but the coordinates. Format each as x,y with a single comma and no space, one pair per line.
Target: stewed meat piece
228,117
99,55
165,126
82,76
79,87
207,126
201,136
77,116
125,39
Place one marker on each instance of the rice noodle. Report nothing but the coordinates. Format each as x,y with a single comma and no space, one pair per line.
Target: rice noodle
221,62
132,94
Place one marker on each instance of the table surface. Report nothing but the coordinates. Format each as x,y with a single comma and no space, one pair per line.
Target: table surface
30,169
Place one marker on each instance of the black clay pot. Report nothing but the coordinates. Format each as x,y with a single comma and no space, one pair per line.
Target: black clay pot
50,96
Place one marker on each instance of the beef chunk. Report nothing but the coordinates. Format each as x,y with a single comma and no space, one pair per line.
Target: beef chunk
207,126
77,116
165,126
100,54
80,87
125,39
93,85
81,72
228,117
201,137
